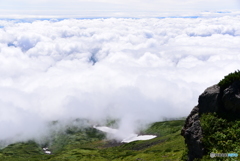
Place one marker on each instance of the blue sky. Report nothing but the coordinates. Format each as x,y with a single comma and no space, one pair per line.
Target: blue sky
117,8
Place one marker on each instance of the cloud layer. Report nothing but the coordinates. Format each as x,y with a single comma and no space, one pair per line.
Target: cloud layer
136,70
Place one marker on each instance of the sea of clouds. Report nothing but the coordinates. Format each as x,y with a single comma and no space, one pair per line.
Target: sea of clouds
135,70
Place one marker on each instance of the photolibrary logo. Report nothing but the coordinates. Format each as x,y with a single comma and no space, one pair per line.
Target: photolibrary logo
212,155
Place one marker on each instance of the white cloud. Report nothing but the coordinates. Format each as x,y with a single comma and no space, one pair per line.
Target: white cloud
131,69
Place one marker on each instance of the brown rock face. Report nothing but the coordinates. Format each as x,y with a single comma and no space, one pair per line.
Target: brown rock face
213,99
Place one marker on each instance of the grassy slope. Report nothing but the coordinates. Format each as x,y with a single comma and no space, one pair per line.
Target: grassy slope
88,144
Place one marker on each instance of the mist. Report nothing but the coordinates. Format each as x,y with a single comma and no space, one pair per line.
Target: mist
137,71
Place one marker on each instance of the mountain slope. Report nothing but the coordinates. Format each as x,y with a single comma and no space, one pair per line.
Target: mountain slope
89,144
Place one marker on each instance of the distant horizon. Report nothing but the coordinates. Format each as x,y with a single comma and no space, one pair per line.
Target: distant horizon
136,15
107,8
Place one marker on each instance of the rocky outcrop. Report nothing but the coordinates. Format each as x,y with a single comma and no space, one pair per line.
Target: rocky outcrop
192,133
213,99
231,98
209,100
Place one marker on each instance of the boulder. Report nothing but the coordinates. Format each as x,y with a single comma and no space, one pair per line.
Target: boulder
231,98
209,100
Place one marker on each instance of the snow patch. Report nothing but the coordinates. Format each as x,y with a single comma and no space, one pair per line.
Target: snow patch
46,151
139,137
128,137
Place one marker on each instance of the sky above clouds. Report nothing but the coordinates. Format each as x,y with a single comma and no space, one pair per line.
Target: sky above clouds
109,8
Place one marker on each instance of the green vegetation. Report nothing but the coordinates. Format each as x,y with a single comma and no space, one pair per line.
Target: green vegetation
229,79
88,144
23,152
165,127
220,134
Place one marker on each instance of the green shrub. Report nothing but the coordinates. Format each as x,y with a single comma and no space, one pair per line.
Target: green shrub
220,135
229,79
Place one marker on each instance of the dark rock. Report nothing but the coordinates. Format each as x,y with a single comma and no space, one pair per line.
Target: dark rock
192,132
231,98
209,100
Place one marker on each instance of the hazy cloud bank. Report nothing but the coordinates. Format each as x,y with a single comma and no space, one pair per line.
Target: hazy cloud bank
136,70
